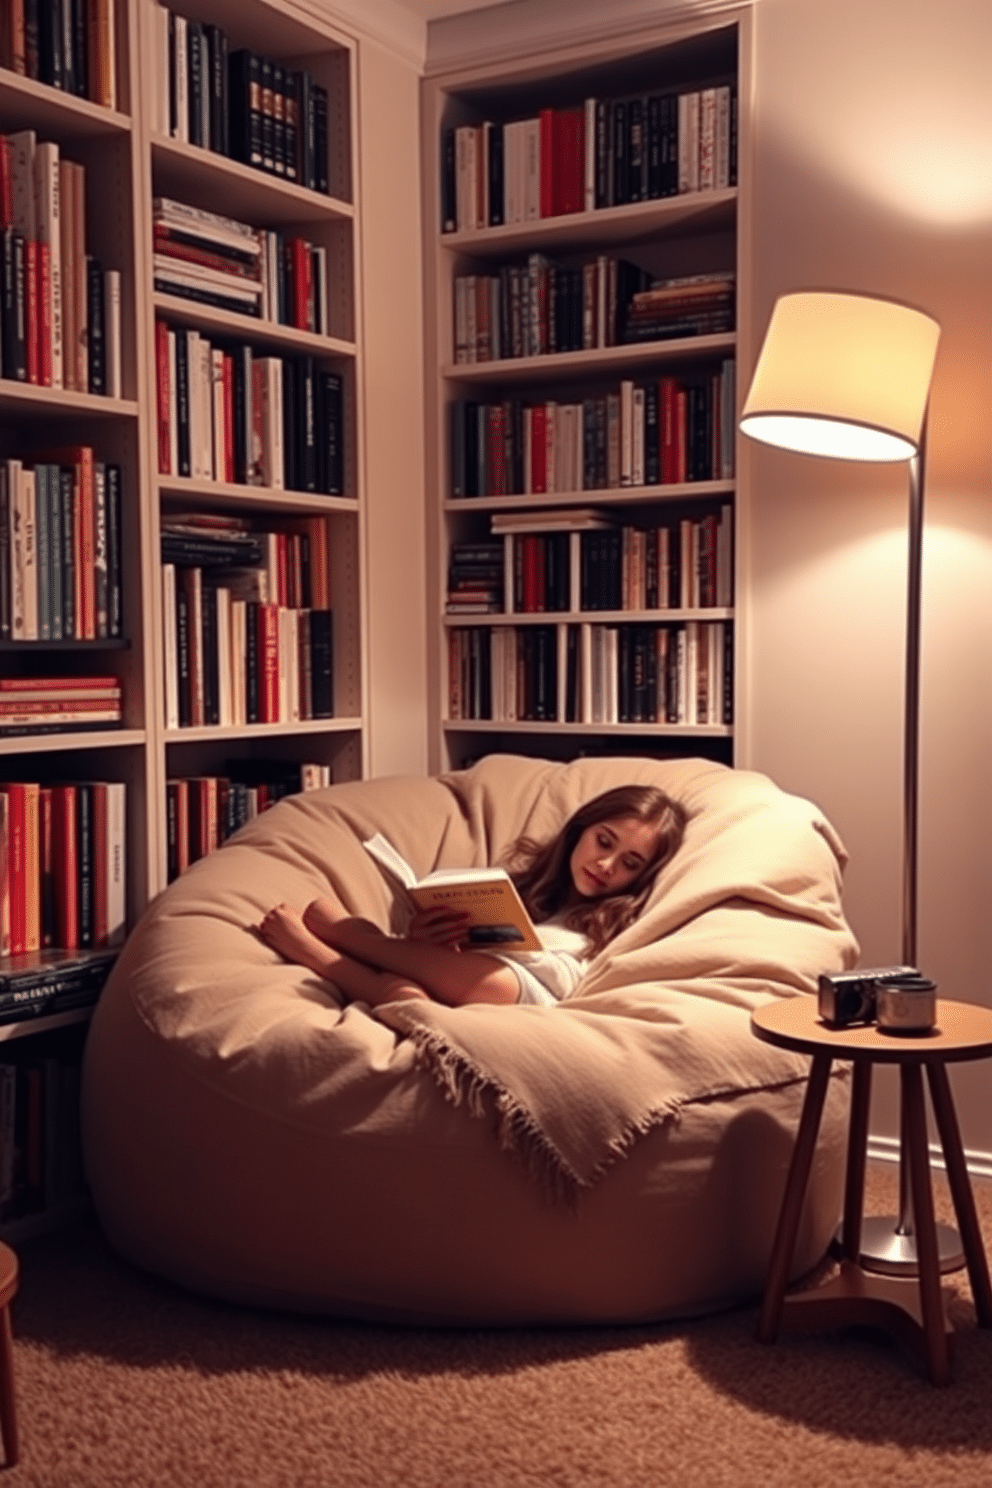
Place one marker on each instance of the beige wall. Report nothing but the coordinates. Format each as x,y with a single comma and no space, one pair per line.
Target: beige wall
873,173
389,113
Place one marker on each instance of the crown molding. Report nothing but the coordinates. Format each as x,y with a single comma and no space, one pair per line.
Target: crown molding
387,22
504,32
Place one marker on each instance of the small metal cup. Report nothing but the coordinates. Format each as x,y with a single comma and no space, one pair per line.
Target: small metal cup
906,1005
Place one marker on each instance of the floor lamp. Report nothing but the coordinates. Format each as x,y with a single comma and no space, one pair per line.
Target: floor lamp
849,377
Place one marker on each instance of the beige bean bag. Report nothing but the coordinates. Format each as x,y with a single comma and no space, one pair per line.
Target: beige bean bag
617,1158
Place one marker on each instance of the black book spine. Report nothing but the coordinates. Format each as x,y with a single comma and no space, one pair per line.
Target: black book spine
252,710
32,39
278,120
268,115
496,177
636,153
173,107
670,156
196,81
332,442
80,67
211,659
219,301
322,662
182,656
307,423
457,417
321,142
63,13
14,350
182,399
241,356
66,483
654,144
84,853
291,125
216,53
171,832
604,153
245,106
652,446
449,219
115,596
307,121
50,43
95,328
100,585
621,153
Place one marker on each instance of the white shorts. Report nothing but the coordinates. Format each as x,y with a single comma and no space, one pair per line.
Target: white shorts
547,976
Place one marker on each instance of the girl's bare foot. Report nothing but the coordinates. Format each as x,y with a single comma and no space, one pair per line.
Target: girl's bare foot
283,929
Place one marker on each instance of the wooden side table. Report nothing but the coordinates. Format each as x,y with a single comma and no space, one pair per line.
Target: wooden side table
911,1308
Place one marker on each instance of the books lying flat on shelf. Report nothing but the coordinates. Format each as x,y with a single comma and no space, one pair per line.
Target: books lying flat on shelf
496,914
51,981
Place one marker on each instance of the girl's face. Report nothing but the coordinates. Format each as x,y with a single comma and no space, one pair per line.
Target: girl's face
610,855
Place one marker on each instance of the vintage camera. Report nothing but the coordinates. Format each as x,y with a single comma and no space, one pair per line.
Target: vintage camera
848,997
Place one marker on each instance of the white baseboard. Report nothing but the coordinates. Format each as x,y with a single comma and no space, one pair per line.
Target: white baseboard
886,1149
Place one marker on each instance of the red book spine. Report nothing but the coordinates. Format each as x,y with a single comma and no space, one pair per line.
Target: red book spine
32,869
42,278
282,569
66,856
164,397
6,185
16,873
569,164
32,323
548,131
681,434
268,662
667,412
533,566
300,275
539,449
101,907
45,684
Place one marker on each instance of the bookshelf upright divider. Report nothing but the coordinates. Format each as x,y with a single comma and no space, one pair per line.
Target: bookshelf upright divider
583,222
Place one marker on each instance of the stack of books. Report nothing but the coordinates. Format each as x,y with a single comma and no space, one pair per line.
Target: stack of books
200,255
79,57
693,305
475,578
49,705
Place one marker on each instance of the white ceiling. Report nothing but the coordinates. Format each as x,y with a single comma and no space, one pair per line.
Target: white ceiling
432,10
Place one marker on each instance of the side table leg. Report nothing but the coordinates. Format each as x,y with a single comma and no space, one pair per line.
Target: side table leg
792,1201
931,1302
857,1151
960,1185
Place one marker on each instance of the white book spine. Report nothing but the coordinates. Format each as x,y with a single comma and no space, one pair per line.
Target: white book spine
532,170
112,332
637,439
225,704
173,414
589,140
218,421
273,423
116,866
47,212
181,75
24,554
239,651
67,191
160,43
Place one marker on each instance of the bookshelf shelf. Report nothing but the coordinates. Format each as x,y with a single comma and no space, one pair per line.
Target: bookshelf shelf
27,400
216,734
74,742
539,369
592,617
251,328
454,726
27,104
217,494
238,190
613,496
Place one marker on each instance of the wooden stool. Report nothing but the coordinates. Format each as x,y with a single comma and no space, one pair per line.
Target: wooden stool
8,1412
913,1310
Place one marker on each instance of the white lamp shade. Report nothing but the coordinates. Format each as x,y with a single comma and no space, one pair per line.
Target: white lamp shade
842,375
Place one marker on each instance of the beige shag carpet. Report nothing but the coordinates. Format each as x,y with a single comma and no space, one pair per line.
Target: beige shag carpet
125,1382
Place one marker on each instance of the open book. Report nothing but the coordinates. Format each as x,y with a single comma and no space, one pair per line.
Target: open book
497,917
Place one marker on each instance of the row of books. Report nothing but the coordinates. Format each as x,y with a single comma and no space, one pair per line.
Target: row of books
70,44
202,811
41,1165
662,431
539,564
48,705
542,308
227,414
64,853
61,552
215,260
61,309
593,673
241,104
602,153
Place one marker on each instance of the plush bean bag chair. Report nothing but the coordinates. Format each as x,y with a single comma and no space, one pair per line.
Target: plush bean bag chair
617,1158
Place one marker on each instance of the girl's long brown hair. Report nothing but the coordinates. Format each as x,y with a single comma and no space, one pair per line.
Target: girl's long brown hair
542,872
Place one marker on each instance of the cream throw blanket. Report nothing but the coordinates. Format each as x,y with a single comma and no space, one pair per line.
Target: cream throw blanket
748,909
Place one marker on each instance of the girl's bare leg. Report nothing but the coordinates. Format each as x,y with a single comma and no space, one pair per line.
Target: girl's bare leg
283,929
450,976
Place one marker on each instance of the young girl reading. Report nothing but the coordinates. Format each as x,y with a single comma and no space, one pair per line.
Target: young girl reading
581,889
